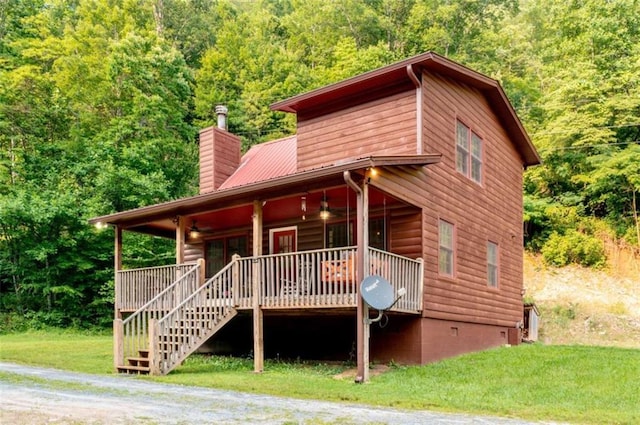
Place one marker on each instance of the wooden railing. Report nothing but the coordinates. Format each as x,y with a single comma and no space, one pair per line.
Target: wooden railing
323,278
401,272
181,331
134,288
132,334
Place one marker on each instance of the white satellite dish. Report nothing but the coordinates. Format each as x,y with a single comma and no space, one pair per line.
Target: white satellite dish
377,292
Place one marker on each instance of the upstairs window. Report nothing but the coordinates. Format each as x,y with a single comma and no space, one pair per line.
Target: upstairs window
468,153
445,255
492,264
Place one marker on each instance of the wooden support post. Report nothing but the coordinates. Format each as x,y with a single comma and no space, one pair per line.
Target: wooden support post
181,228
363,265
154,360
118,344
235,280
258,332
202,272
117,265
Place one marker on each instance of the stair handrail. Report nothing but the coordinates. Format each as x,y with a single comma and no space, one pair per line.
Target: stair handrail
135,327
163,361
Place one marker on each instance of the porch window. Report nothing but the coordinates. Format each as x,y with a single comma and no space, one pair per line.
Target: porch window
377,233
218,252
468,153
492,264
445,256
337,236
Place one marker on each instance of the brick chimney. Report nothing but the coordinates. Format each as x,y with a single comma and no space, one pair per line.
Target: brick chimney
219,153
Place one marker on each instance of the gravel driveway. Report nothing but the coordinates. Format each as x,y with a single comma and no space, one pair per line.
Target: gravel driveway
39,395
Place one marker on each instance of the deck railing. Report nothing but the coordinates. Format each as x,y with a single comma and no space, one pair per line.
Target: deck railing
323,278
401,272
135,287
134,330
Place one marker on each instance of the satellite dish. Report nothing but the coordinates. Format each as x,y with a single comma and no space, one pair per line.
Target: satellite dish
377,292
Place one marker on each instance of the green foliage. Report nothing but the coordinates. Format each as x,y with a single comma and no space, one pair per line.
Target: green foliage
100,99
573,247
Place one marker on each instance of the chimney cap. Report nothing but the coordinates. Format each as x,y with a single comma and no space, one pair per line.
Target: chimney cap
221,110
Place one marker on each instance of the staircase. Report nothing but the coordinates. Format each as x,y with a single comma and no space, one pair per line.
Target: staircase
137,365
160,335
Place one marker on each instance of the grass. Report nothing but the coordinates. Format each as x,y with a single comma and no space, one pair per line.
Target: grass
578,384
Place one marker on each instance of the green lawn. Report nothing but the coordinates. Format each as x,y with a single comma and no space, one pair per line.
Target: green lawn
578,384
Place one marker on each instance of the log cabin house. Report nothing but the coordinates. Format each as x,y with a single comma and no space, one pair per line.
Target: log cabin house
412,172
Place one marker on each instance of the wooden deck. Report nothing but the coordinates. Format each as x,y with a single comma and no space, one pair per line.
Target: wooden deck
166,327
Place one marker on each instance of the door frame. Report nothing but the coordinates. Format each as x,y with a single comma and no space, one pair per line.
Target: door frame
273,232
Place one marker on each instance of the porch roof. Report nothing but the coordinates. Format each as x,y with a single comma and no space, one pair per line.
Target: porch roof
260,190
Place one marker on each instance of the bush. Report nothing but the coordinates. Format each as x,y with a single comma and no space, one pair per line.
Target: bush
573,247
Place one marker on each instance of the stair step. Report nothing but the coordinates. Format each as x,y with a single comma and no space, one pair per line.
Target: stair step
134,369
138,361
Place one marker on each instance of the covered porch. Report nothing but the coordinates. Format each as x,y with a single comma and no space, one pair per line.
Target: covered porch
299,243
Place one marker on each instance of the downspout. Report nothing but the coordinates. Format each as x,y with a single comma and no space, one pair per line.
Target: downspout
416,82
362,312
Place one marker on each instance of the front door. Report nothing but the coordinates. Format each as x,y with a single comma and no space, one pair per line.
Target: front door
283,240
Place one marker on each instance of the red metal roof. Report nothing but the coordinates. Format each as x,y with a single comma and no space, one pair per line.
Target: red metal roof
265,161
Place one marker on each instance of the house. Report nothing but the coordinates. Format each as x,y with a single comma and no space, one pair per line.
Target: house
411,172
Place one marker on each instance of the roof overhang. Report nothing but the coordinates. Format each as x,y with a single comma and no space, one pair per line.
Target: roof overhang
394,78
262,190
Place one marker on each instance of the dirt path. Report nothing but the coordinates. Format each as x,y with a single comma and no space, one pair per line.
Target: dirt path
31,395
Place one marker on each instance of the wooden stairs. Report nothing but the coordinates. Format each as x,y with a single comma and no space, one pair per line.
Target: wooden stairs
137,365
159,336
174,345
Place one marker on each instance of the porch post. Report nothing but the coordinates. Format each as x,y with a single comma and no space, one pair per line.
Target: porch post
362,311
117,265
363,266
258,333
180,231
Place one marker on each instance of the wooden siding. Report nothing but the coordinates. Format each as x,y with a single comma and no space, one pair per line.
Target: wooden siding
405,232
381,127
490,211
219,157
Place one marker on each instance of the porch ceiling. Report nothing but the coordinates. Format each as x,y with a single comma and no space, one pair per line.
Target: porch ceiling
232,207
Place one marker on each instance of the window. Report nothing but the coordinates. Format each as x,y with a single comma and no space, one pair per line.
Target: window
337,235
492,264
377,233
468,153
218,252
445,256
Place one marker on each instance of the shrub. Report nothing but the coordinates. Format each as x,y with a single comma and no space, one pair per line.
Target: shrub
573,247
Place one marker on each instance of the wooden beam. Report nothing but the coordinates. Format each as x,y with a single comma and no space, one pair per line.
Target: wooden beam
202,270
118,344
258,331
180,239
117,265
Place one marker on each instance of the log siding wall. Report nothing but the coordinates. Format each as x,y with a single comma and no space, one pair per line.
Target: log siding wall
381,127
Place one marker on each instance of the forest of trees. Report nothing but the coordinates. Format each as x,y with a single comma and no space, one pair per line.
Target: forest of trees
100,102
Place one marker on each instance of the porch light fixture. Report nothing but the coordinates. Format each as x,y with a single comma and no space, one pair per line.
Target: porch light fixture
194,233
324,209
101,225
